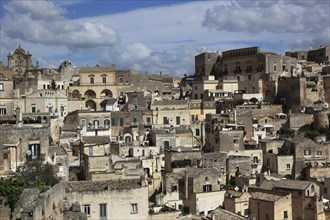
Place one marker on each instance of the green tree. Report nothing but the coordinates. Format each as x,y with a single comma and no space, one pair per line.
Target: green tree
33,174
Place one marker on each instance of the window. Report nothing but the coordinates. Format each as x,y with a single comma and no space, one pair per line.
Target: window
288,166
104,79
148,120
246,211
135,120
1,87
106,123
103,211
34,151
207,188
135,100
178,120
90,151
113,122
285,215
87,209
121,80
34,109
307,152
134,208
197,132
121,121
165,121
91,80
318,152
166,144
3,111
235,140
274,67
174,188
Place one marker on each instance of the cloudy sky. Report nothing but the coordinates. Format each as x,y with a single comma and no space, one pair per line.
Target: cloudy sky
157,35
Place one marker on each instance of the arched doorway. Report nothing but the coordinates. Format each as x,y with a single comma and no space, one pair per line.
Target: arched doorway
90,104
106,93
90,94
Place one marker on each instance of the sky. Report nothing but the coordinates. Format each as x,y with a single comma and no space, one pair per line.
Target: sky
153,36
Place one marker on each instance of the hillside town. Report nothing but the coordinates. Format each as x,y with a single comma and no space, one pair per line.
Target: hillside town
246,136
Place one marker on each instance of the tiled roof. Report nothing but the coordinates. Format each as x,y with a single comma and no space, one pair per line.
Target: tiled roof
96,139
265,196
285,184
101,185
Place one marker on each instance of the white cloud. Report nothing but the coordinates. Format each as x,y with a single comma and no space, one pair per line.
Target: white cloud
165,38
42,22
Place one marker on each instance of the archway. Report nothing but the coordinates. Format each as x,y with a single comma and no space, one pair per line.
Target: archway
90,104
106,93
76,94
90,94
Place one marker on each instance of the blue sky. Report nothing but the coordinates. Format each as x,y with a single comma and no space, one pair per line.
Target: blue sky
157,36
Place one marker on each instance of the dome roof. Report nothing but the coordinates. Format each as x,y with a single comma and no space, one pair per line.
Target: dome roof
20,50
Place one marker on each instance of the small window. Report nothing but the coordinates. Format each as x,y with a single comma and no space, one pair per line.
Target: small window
174,188
104,79
165,121
34,109
288,166
319,152
91,80
177,120
3,111
1,87
87,210
307,152
134,208
207,188
113,121
285,215
103,211
197,132
121,121
235,141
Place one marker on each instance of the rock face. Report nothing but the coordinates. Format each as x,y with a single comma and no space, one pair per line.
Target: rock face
74,212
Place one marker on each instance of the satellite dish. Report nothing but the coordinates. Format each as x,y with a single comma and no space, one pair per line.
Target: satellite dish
236,188
20,124
179,150
28,152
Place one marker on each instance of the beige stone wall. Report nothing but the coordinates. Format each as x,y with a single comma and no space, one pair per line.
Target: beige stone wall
118,202
283,204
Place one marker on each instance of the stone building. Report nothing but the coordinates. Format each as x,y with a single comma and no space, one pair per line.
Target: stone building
126,199
168,138
200,86
42,101
95,86
6,96
204,63
19,143
270,206
167,113
305,197
237,202
319,55
20,62
178,159
306,152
